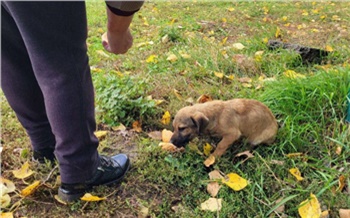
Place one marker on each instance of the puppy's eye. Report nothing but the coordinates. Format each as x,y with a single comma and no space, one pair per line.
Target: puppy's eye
182,128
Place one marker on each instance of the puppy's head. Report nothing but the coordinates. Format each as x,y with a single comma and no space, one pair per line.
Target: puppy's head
187,125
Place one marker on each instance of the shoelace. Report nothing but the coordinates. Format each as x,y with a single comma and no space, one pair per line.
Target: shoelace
107,162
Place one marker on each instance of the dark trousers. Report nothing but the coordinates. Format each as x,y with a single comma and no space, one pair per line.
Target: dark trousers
46,79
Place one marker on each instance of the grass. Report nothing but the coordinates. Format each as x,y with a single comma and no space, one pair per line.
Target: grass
310,110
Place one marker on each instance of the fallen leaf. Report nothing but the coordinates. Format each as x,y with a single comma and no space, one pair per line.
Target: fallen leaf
143,212
30,189
310,208
101,134
185,56
245,153
60,200
213,188
279,209
121,127
215,174
234,181
344,213
102,53
155,135
219,75
6,186
5,200
292,74
6,215
172,58
338,150
324,214
152,59
89,197
278,162
166,135
238,46
23,172
341,183
278,33
207,149
245,80
209,161
212,204
291,155
136,126
166,118
167,146
177,94
204,98
296,173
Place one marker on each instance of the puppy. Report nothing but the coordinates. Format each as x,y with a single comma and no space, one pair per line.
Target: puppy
228,120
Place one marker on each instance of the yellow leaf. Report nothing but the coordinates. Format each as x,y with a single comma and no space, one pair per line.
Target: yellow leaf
24,172
296,173
238,46
310,208
235,182
265,40
218,74
341,183
136,126
329,48
324,214
101,134
338,150
121,127
185,56
6,215
278,33
152,59
89,197
284,18
102,53
292,74
166,135
291,155
166,118
247,85
212,204
6,186
30,189
209,161
230,77
5,200
60,200
344,213
207,149
231,9
172,58
223,42
177,94
224,20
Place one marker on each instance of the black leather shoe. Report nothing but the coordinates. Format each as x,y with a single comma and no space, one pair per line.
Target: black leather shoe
110,171
42,154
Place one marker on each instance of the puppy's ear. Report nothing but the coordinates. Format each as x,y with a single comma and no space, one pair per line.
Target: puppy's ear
200,120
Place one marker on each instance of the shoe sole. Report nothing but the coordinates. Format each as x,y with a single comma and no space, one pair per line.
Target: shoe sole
73,197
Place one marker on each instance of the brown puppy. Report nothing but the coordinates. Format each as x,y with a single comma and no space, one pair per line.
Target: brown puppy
228,120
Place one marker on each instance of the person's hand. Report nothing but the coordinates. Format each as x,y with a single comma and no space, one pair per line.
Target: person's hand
117,42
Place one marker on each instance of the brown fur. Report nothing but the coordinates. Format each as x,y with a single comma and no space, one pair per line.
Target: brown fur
228,120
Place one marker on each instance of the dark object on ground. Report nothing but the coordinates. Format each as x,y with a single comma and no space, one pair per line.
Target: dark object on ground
308,55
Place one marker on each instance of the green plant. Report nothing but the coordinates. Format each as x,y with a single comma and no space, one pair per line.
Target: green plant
121,99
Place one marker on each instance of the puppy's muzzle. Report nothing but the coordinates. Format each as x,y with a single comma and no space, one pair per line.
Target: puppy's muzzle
179,141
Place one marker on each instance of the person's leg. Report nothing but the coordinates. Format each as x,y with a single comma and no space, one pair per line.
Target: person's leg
22,90
54,34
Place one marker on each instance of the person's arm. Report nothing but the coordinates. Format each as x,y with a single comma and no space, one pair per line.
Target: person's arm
118,38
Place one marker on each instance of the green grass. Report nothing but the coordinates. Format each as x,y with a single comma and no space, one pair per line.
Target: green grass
310,110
